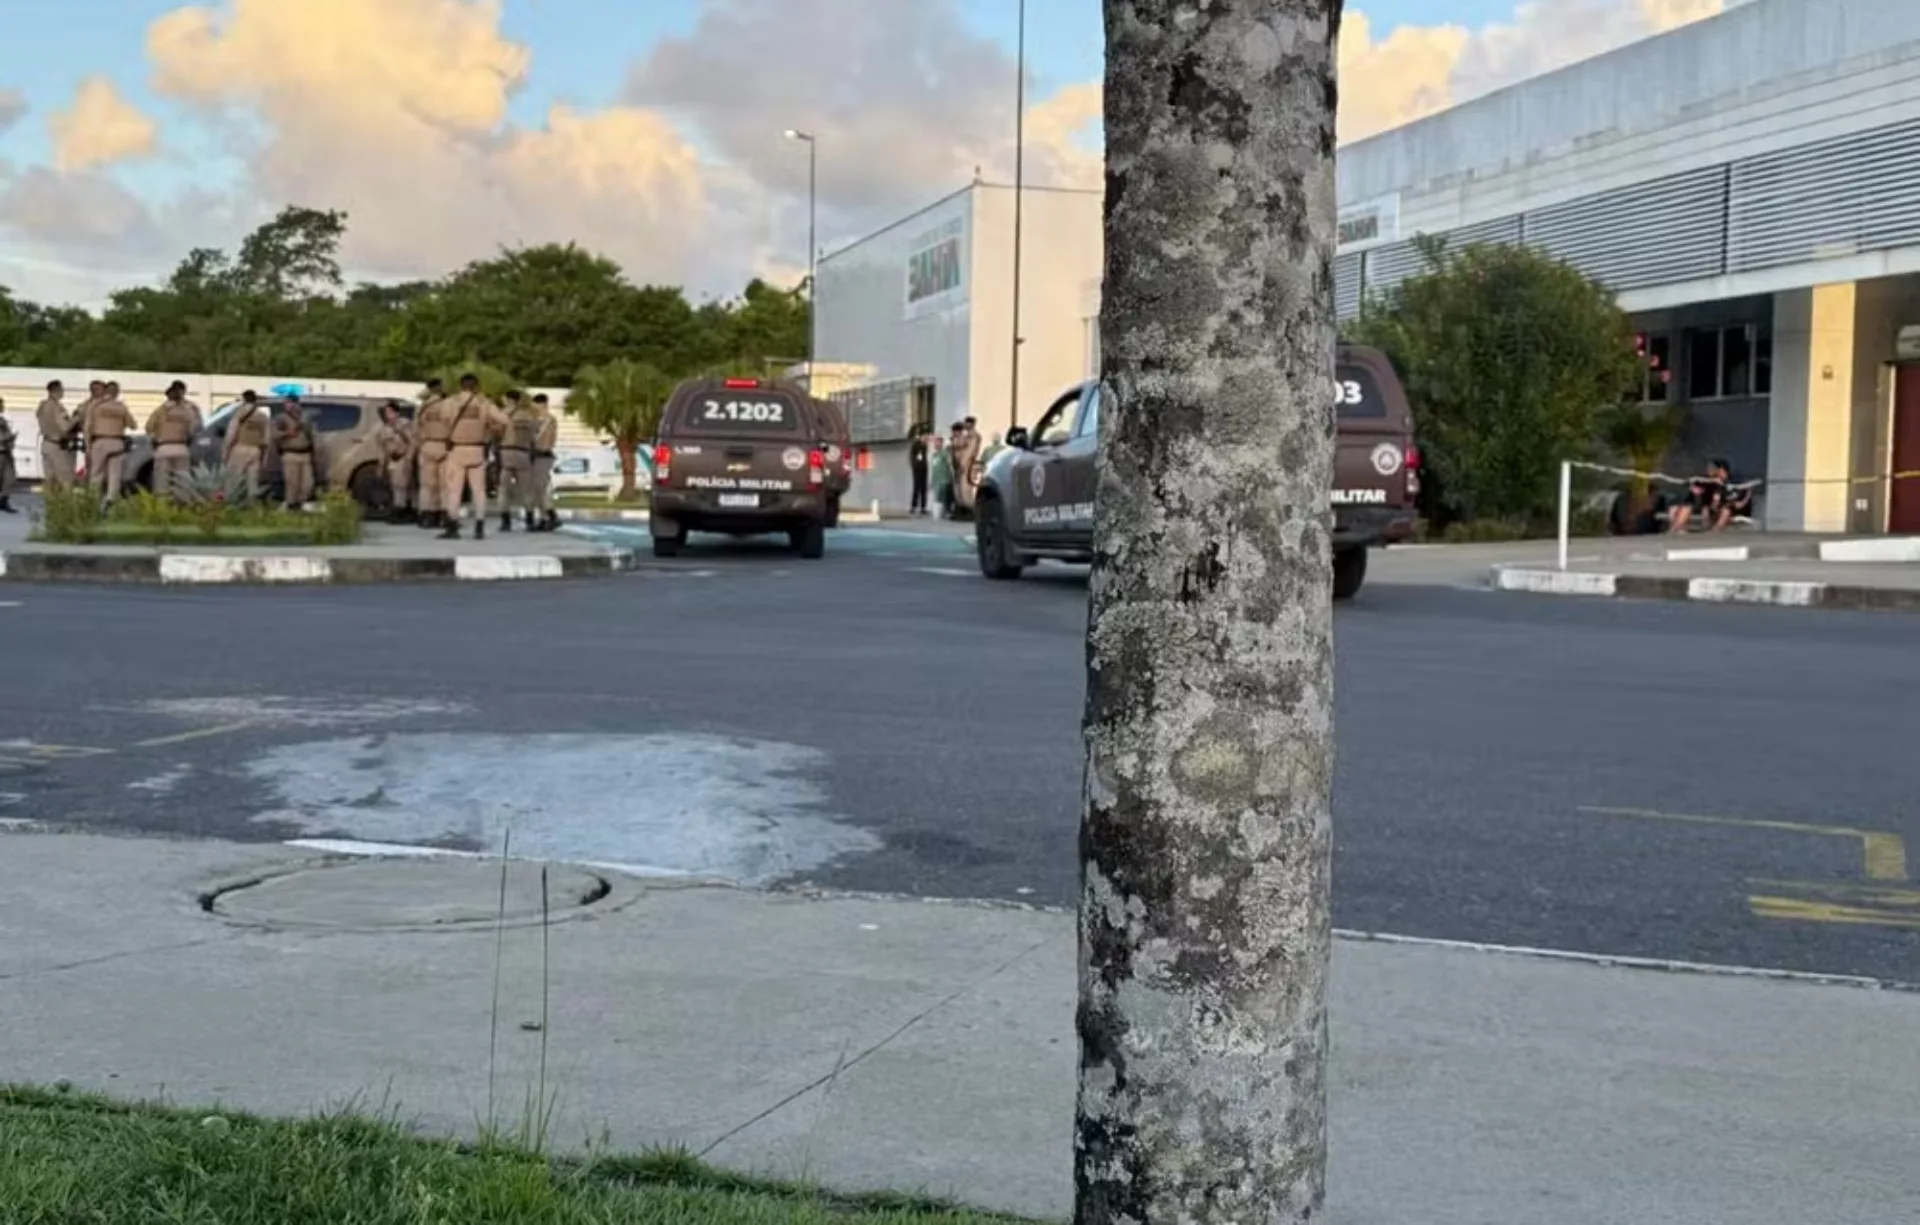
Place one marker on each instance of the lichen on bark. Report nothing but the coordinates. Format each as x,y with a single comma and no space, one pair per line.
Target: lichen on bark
1206,835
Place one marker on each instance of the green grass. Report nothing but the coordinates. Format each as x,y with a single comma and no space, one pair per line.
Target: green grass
595,501
67,1157
246,535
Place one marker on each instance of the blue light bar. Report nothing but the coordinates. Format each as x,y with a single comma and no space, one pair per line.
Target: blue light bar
289,389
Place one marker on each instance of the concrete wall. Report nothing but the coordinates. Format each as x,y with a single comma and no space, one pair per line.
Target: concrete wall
1063,241
1811,441
1766,75
864,318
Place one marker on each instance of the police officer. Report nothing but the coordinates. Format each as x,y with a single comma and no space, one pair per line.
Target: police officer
106,424
7,439
546,435
432,426
474,420
516,461
294,438
396,444
246,442
172,427
56,438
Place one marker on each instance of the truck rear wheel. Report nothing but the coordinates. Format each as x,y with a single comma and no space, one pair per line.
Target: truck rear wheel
809,541
1349,573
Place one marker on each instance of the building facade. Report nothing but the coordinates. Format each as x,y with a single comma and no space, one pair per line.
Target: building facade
1749,186
923,309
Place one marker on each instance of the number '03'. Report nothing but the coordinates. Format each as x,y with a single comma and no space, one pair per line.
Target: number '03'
744,410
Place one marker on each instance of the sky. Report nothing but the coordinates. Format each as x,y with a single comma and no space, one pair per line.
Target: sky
134,130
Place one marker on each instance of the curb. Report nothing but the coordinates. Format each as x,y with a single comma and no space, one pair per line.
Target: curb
1780,593
172,569
1899,549
602,516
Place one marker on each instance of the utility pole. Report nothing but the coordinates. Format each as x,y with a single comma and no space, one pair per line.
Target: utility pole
1206,826
813,246
1019,200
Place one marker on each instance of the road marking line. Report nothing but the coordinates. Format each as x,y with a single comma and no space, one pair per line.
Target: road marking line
197,734
1809,977
1791,908
1824,902
946,571
1884,854
9,603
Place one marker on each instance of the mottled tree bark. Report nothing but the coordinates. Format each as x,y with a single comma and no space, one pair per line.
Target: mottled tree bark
1206,834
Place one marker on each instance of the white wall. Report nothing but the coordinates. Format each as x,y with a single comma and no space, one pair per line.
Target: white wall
1766,75
863,316
1062,244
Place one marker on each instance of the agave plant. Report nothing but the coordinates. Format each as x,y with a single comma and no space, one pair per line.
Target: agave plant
211,488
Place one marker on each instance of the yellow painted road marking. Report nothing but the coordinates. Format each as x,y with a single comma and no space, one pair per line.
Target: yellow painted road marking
61,752
1884,854
197,734
1825,902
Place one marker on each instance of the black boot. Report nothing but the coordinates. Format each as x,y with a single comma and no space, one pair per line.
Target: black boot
531,525
553,521
479,529
451,530
6,507
506,521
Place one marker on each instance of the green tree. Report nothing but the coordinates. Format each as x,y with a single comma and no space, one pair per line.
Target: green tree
495,383
1510,358
622,399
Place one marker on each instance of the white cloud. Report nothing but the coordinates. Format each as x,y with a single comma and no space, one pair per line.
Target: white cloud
99,128
397,111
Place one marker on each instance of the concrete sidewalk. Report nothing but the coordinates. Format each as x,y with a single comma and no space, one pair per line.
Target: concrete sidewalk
876,1042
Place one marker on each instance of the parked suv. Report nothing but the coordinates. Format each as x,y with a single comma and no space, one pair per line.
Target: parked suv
346,455
1036,498
742,457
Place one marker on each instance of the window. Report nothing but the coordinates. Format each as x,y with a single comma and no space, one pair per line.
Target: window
1089,426
922,409
1355,395
1657,351
1056,426
1729,362
333,418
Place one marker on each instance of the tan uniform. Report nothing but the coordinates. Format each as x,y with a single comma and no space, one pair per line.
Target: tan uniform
108,422
473,420
172,427
396,443
246,444
516,459
544,440
56,461
294,437
432,426
8,439
965,454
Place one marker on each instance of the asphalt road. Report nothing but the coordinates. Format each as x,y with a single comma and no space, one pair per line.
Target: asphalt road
1513,769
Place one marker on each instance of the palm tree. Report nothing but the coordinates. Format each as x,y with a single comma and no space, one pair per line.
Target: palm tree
621,399
494,382
1642,437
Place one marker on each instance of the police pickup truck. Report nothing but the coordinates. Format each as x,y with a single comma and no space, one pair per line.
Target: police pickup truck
1036,498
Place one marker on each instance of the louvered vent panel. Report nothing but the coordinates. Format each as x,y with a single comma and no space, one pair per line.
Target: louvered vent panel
1835,198
1389,265
1346,285
1653,233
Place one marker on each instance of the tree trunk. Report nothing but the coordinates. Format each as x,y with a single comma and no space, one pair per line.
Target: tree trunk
1206,830
629,450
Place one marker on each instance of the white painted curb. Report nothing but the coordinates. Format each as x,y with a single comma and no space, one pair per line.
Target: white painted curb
485,568
1887,549
221,568
603,516
1751,591
1556,582
1732,552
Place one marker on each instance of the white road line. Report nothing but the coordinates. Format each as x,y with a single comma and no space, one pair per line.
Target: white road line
1635,963
9,603
948,571
400,850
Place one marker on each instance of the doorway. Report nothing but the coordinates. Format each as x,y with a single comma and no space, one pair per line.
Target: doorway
1903,498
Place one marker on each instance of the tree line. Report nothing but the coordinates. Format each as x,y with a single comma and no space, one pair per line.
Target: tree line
549,316
280,304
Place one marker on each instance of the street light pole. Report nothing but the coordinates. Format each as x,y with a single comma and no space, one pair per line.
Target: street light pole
813,246
1019,199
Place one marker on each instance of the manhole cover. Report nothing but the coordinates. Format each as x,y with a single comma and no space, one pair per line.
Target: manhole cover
431,893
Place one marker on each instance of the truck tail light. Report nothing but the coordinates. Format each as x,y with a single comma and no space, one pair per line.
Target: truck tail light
816,468
662,463
1412,465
